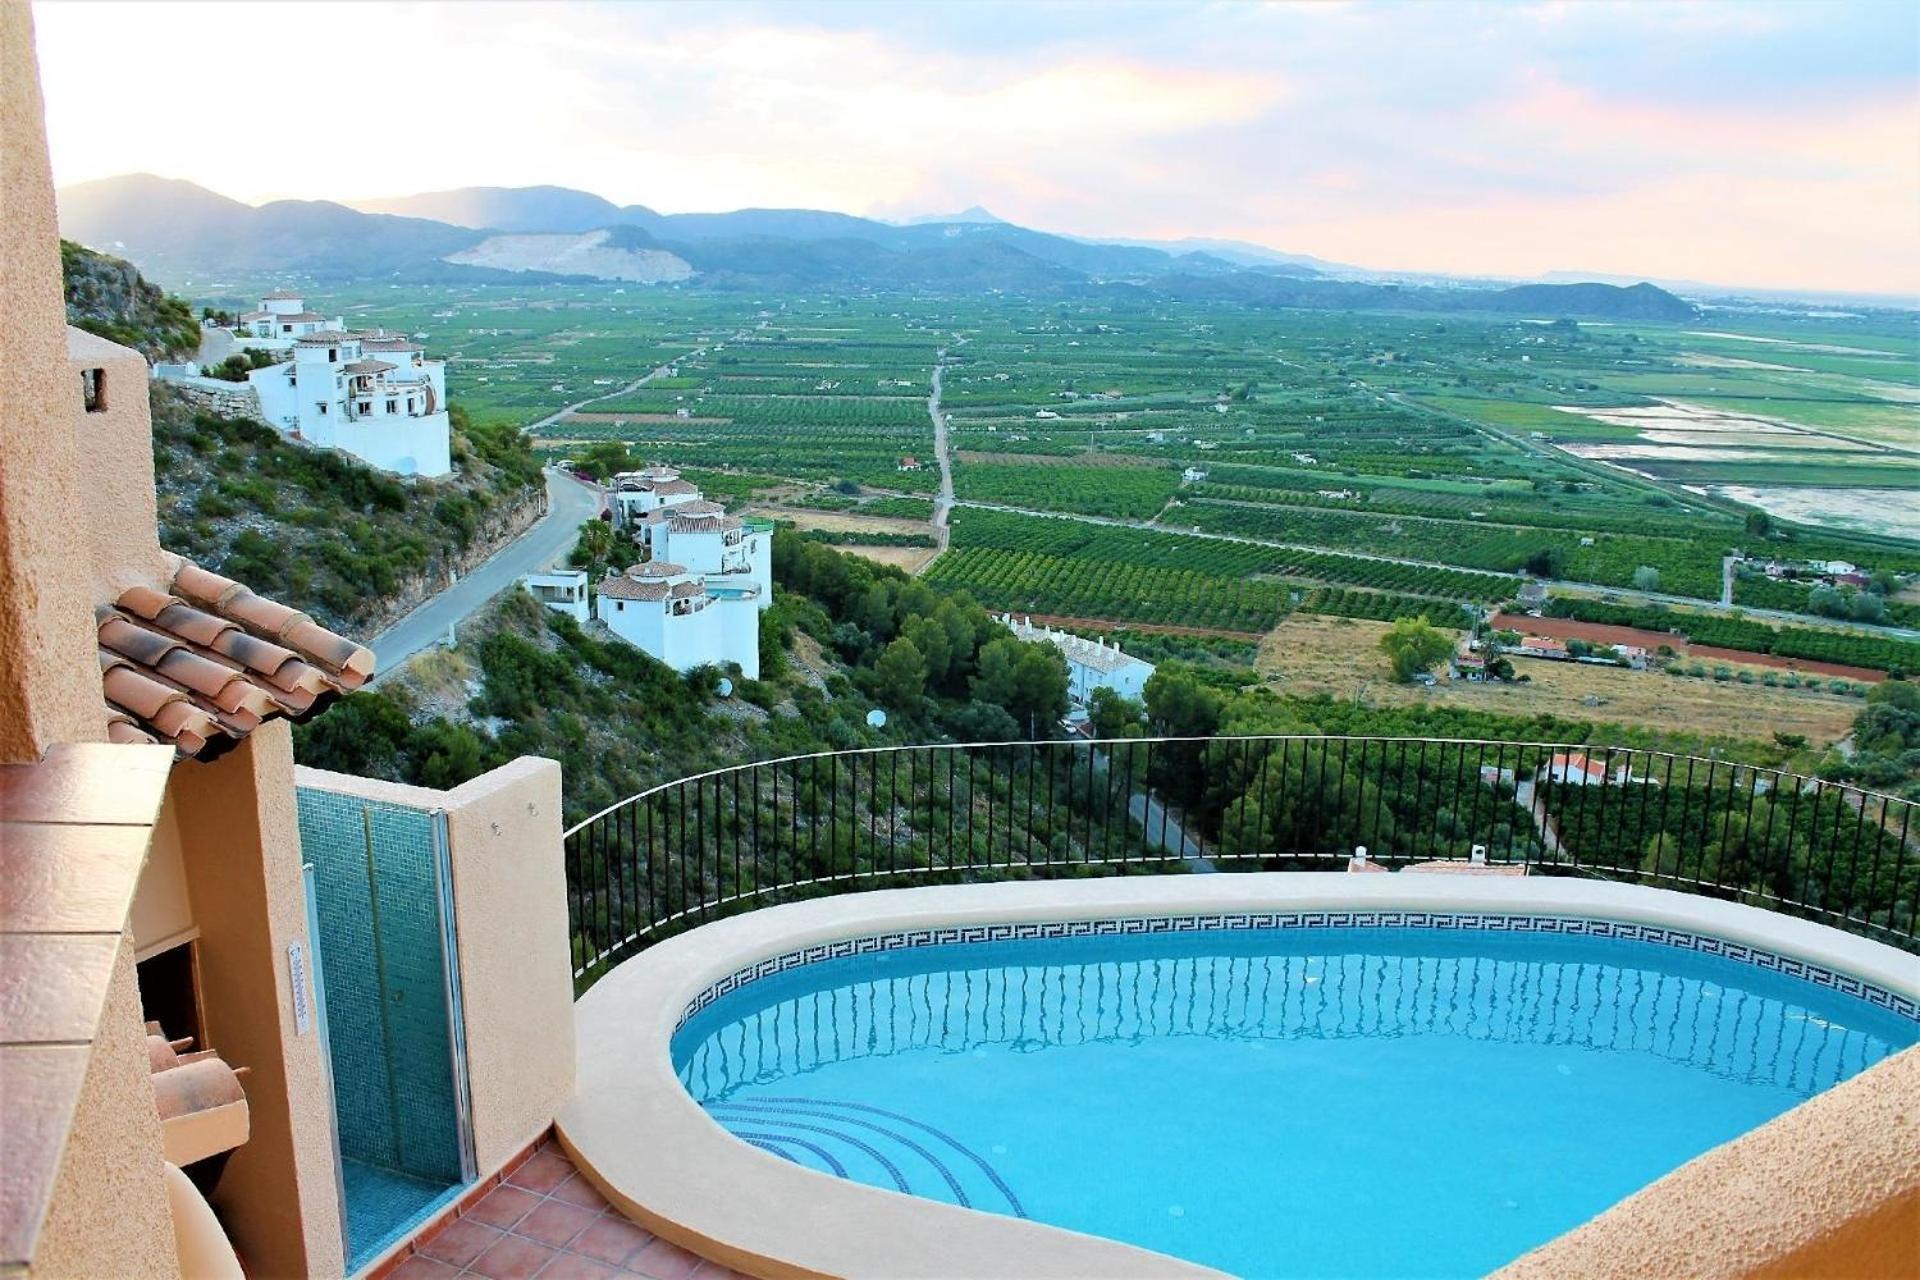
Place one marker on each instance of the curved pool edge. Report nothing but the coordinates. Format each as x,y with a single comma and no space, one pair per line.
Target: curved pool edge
642,1138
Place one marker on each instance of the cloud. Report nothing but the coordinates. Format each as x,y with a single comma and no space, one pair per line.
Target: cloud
1456,135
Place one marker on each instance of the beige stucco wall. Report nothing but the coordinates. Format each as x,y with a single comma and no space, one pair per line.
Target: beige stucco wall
49,683
240,837
109,1214
1830,1189
510,909
121,509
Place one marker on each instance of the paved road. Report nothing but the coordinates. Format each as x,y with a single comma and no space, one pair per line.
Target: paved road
570,503
943,502
641,381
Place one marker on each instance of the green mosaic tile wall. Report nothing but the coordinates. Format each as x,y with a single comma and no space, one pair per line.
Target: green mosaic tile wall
376,889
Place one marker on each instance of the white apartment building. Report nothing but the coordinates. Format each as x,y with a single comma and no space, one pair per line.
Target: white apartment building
281,320
373,395
675,614
1091,664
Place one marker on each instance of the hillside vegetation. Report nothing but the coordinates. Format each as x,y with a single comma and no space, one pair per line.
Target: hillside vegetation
318,529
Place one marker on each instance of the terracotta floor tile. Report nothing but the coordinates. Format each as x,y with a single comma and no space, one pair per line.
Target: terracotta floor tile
542,1173
461,1241
611,1239
571,1266
512,1258
420,1267
555,1222
663,1260
503,1206
577,1190
714,1271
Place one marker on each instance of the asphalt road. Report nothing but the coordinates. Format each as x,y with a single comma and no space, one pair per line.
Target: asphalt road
570,503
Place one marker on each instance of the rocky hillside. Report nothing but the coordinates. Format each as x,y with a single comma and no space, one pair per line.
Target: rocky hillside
107,296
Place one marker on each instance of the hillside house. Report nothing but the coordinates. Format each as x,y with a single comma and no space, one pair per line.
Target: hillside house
193,1054
671,520
281,320
908,463
673,613
373,395
1193,475
1091,664
1542,647
636,495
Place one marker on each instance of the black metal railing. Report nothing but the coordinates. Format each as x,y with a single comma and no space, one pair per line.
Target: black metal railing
804,826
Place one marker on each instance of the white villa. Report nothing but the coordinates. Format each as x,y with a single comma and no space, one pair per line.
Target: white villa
635,495
672,519
373,395
1091,664
679,617
281,320
697,598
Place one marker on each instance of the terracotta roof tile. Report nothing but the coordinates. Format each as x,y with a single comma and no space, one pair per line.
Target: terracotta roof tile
202,666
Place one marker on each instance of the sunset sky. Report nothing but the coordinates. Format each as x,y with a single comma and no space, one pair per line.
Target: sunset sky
1745,143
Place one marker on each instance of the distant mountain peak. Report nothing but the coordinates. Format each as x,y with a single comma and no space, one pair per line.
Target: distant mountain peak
972,213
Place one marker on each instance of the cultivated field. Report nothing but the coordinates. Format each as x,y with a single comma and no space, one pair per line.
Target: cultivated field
1341,658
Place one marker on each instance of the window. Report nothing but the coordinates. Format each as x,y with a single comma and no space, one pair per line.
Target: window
93,390
390,405
322,406
333,354
286,328
366,406
619,606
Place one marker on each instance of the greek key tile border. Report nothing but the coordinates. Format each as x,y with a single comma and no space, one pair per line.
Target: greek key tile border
1025,931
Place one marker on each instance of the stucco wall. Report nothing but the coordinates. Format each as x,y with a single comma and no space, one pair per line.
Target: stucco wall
510,908
240,839
109,1214
120,509
49,683
1830,1189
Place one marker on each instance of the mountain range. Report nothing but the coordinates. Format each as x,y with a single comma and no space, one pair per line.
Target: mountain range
193,238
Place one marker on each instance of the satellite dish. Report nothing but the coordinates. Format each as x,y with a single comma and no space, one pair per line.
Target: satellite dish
876,719
725,687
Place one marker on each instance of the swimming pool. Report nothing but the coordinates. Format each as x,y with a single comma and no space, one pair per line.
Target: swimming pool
1369,1099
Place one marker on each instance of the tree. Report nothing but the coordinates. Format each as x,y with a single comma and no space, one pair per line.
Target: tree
900,676
1646,578
606,458
1544,563
1028,680
595,547
1759,524
1414,645
1114,715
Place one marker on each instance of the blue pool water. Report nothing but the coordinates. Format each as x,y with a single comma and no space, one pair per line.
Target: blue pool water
1299,1102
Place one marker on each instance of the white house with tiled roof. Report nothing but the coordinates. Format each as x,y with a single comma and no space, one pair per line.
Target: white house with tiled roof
635,495
1091,664
672,519
374,395
675,614
279,321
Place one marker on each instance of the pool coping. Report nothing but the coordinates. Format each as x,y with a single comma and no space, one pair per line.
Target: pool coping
636,1132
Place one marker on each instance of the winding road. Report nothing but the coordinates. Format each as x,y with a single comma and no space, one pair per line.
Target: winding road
942,504
570,503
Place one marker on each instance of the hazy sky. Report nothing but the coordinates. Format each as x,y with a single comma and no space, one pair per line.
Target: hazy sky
1744,142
